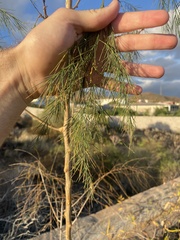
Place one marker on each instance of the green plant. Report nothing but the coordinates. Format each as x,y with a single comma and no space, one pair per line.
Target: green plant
177,113
161,112
10,23
79,128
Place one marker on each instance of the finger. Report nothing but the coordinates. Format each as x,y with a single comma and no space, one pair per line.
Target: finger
133,42
131,21
110,84
143,70
94,20
122,87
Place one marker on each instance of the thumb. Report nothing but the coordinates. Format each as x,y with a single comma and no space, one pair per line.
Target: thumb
94,20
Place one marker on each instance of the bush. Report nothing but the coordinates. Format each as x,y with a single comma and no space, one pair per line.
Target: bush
118,111
177,113
161,112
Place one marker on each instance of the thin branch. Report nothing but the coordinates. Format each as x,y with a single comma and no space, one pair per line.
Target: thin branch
47,194
61,129
34,5
45,9
37,20
77,4
67,168
68,4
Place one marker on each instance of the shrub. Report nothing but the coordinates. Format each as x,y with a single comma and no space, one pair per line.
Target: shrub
161,112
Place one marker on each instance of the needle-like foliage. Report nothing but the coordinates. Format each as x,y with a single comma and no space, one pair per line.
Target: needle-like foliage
94,55
11,23
173,6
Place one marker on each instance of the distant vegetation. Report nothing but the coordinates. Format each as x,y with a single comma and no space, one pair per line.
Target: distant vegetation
165,112
119,111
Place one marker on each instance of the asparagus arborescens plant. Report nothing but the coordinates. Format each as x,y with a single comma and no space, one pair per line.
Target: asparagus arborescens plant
92,56
67,157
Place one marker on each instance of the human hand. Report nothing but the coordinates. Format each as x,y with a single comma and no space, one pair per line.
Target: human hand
45,45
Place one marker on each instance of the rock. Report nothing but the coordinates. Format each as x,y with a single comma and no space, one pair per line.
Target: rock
147,215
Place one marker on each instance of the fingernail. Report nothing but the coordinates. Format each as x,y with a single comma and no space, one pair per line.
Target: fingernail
112,2
138,90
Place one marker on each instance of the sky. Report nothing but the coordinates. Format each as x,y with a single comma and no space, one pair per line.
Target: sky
168,85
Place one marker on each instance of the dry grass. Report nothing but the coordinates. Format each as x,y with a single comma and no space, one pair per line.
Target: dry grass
39,201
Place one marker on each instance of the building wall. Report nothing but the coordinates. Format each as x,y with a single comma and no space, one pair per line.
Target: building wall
144,122
141,122
149,108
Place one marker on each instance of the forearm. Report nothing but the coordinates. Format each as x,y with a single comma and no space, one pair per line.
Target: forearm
11,92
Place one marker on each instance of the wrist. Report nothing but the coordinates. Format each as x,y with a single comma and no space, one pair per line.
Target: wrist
12,75
12,93
32,78
22,83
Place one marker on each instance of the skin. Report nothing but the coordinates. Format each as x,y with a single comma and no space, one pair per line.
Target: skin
26,66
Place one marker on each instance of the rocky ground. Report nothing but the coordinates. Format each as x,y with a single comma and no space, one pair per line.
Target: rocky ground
156,151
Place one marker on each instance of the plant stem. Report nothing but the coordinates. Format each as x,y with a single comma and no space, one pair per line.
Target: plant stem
68,3
67,163
67,167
